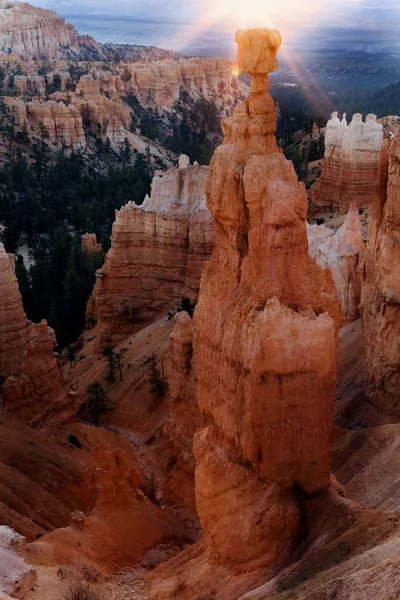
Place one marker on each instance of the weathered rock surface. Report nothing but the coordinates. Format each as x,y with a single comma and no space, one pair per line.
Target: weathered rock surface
266,340
184,415
351,163
16,577
156,256
34,84
341,252
159,83
381,292
34,33
31,383
62,125
119,523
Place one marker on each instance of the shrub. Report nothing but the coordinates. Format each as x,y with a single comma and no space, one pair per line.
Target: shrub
80,590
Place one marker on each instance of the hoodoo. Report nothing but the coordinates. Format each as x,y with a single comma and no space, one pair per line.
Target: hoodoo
266,339
31,383
351,163
381,293
156,256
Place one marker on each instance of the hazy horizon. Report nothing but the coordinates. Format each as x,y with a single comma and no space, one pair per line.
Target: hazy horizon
208,26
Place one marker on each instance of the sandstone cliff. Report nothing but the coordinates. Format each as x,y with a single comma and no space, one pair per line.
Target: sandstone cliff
159,83
341,252
31,383
34,33
381,293
62,125
351,163
266,341
156,256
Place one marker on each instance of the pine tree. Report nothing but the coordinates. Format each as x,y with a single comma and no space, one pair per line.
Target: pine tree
97,401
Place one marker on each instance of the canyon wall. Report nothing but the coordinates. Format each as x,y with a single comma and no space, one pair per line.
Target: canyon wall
341,252
266,340
351,163
159,83
33,34
31,383
381,291
156,256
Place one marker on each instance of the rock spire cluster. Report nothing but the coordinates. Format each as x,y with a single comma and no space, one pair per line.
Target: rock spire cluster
156,256
351,163
266,339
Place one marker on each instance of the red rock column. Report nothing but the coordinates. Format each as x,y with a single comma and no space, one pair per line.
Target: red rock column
31,382
266,339
381,292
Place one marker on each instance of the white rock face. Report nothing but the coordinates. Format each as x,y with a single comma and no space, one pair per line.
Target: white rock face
355,136
184,161
341,253
16,577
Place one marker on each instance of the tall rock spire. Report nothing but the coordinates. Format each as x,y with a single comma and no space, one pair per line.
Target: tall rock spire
266,339
381,290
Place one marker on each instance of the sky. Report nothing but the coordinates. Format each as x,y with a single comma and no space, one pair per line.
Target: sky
194,9
193,20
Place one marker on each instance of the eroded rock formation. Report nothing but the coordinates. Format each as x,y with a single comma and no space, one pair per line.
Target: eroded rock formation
159,83
341,252
381,292
266,340
156,256
31,383
351,163
90,244
62,125
33,33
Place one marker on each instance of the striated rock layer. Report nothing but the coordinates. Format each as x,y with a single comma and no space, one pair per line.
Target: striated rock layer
31,383
351,163
62,125
266,340
381,292
156,256
159,83
341,252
